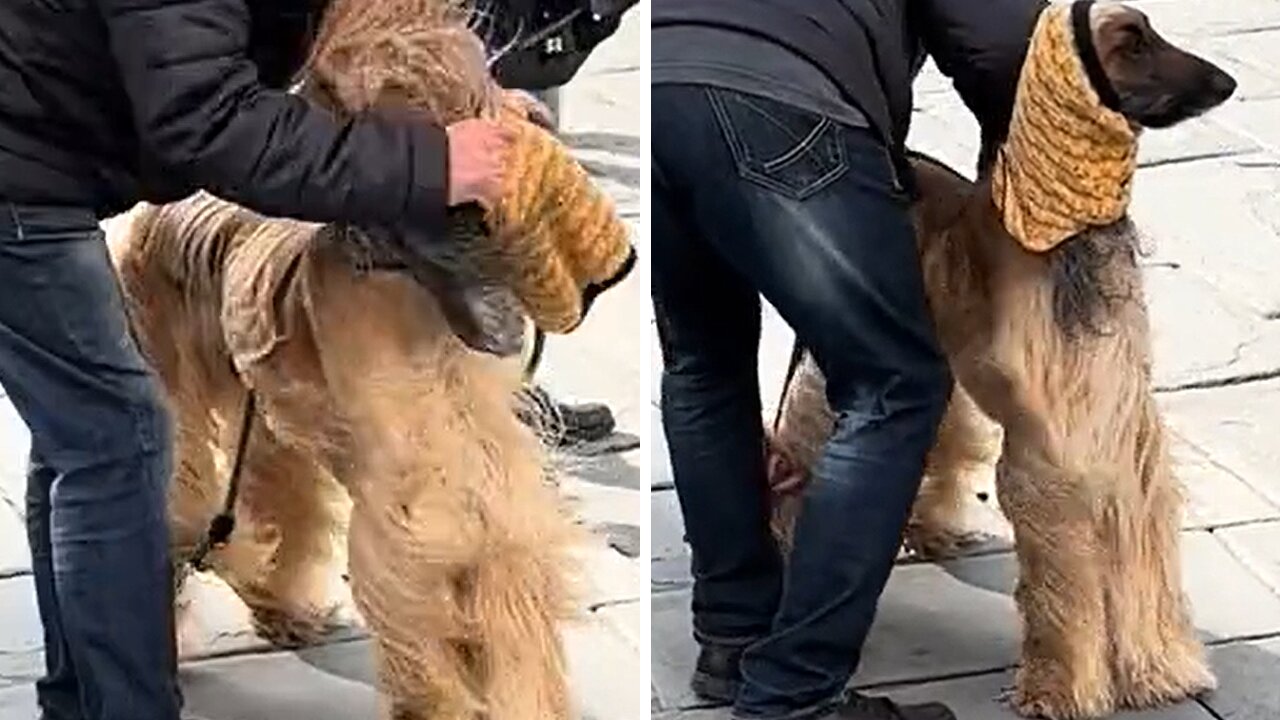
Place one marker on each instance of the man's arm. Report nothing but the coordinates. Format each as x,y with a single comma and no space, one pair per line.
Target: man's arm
980,45
201,111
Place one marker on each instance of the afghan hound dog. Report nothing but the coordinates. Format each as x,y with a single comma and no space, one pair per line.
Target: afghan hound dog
1035,290
370,420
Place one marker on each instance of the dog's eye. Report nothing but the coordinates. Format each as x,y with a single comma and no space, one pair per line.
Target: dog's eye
1132,38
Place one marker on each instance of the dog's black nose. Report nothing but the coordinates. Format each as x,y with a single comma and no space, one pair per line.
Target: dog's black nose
1222,85
982,497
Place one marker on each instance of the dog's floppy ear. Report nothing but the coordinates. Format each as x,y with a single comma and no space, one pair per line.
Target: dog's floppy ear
440,74
415,56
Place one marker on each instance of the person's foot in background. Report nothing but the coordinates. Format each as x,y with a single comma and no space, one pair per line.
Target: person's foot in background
563,425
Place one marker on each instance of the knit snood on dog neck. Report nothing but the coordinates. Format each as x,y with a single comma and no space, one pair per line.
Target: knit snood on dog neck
1069,160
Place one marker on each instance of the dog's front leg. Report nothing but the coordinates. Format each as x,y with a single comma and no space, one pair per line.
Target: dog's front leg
423,641
1158,657
1064,672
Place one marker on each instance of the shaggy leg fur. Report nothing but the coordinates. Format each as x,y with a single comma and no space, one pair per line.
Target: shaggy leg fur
458,550
286,498
1158,658
1065,673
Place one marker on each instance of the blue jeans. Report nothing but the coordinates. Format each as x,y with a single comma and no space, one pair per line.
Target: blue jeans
753,197
100,464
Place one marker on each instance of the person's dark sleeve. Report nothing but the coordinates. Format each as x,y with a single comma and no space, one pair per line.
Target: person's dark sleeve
202,113
980,46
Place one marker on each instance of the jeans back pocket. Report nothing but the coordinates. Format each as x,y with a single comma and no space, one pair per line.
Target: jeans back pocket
789,150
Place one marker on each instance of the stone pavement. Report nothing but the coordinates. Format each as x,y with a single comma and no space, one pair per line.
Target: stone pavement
1209,197
229,674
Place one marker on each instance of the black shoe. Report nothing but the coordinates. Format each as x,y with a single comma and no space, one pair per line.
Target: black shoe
561,424
586,422
717,677
861,707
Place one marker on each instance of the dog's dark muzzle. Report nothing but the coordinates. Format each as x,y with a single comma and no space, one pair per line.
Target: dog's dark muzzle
483,313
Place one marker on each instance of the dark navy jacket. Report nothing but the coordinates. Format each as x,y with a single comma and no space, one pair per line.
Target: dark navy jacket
107,102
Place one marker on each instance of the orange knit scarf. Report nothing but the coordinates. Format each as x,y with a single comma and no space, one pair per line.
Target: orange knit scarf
1069,161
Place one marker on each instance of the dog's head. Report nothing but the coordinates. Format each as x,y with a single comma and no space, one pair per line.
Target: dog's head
1155,84
1135,71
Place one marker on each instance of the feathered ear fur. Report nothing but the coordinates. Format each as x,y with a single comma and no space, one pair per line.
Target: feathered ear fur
366,55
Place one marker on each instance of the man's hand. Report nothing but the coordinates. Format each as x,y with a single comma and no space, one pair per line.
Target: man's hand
477,161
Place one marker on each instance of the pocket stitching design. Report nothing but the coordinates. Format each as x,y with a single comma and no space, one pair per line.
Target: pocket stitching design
743,159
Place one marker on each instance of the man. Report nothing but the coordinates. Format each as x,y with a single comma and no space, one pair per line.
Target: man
104,103
779,170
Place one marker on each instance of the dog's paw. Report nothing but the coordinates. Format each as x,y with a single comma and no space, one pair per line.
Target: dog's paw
1052,696
934,543
292,630
1166,683
1056,706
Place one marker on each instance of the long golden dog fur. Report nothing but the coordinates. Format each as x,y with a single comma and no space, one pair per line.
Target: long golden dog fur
374,424
1055,347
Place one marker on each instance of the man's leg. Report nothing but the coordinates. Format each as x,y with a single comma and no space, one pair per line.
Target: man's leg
811,213
708,320
58,692
99,429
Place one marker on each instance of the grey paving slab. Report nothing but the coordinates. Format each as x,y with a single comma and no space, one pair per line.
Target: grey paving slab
323,684
1219,586
601,503
15,556
18,702
609,467
1236,427
1254,119
672,650
1197,138
1245,56
655,362
660,469
1248,681
1220,218
979,698
15,442
1210,17
667,526
959,618
601,360
1214,496
918,633
1258,547
1201,332
627,620
776,339
610,577
336,682
213,621
937,620
941,126
606,676
21,642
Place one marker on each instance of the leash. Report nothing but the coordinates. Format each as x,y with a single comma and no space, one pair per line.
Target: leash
223,524
797,354
534,358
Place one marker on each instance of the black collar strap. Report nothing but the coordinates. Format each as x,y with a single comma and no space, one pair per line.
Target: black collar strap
1083,33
